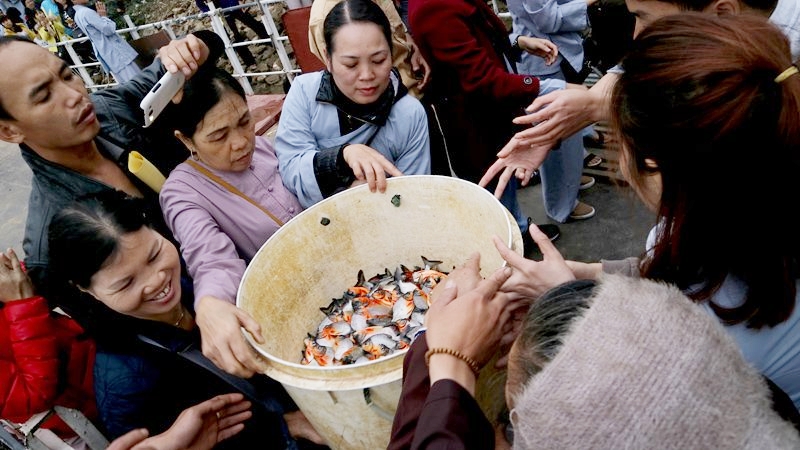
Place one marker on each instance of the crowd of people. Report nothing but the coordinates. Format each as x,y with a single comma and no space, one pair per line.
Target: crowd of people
693,343
49,22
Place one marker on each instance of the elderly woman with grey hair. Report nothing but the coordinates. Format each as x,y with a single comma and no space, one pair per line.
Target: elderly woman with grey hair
620,363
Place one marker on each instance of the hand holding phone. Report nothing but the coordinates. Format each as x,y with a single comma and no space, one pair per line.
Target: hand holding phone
160,95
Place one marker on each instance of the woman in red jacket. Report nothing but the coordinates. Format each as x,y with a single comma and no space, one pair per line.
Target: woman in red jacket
475,94
43,359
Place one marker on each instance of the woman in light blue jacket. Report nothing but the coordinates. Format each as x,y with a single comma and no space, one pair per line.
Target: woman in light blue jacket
353,122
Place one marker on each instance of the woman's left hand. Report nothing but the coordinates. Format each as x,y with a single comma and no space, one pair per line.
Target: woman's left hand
369,165
532,278
539,47
14,282
224,344
200,427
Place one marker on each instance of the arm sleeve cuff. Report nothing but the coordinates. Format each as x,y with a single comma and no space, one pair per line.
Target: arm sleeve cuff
627,266
331,171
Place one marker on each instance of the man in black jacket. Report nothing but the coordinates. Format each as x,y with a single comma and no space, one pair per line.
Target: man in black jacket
78,143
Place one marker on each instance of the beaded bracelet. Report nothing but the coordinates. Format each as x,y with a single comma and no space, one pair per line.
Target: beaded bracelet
476,368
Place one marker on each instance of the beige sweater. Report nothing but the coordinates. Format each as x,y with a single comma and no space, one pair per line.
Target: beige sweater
646,368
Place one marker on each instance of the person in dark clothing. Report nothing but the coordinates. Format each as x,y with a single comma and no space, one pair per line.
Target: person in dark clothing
245,18
78,143
148,365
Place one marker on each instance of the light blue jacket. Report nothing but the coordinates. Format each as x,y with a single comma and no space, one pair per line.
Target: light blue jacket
113,52
308,125
560,21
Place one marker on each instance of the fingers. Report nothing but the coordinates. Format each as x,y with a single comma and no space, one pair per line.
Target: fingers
502,182
251,325
538,134
446,295
473,263
540,101
492,172
489,287
508,255
14,261
229,432
185,55
219,402
512,145
546,246
129,439
390,168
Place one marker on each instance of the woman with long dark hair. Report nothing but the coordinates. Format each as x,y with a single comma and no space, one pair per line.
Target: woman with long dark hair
699,95
148,366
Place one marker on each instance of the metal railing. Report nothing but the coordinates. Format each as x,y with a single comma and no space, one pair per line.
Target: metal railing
288,66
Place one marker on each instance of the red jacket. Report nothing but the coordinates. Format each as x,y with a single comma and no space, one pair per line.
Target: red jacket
476,95
43,363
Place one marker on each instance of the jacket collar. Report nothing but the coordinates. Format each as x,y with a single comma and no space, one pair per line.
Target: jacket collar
376,113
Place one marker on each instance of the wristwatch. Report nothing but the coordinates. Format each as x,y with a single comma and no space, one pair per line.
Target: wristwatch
515,44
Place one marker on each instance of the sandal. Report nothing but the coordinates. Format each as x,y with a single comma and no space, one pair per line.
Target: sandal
595,142
592,160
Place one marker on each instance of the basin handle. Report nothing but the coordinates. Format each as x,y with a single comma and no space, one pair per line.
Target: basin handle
384,414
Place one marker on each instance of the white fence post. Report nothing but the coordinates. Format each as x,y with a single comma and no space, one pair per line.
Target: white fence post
170,32
87,79
219,28
287,69
272,29
134,31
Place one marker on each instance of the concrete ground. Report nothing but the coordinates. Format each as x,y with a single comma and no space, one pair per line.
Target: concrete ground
616,231
14,190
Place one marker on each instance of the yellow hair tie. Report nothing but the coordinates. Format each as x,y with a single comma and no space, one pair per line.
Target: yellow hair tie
786,74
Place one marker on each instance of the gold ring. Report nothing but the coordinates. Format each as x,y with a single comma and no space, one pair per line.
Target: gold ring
219,416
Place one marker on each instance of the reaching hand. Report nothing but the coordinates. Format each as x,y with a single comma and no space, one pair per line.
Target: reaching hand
14,282
469,320
554,116
532,278
100,7
199,427
185,54
370,166
543,48
518,161
224,344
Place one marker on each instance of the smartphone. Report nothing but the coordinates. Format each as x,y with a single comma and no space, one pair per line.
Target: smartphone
160,95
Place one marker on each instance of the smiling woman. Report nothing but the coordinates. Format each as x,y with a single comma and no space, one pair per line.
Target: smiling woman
353,122
148,367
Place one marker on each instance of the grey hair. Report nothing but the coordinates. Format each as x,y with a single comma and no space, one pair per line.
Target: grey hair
547,323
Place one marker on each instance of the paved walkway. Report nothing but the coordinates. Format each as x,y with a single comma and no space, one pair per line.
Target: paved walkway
14,190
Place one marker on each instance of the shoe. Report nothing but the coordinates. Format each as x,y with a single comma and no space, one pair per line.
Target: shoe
582,211
595,142
586,182
592,160
550,230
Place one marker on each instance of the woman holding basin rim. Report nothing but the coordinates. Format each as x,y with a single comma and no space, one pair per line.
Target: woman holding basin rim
222,204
